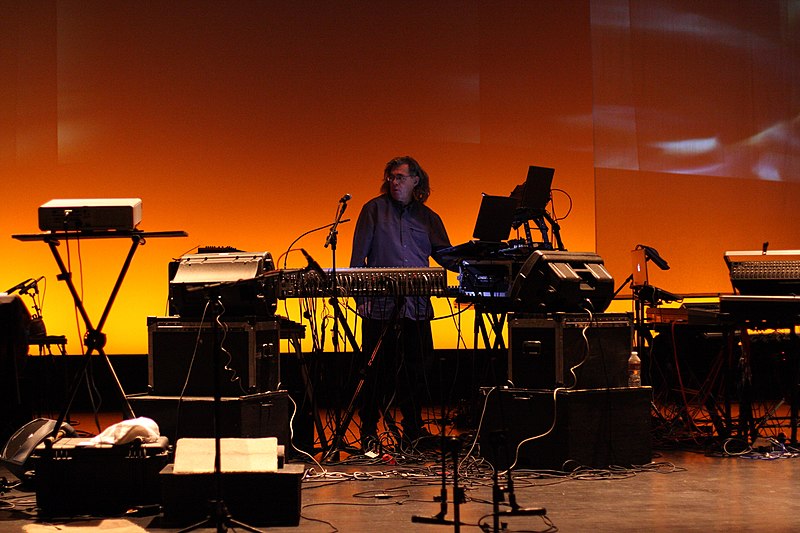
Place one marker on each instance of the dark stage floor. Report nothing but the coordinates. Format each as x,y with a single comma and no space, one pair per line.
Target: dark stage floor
678,491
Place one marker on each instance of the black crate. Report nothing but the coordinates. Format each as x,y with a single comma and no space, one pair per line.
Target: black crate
72,479
257,415
255,498
596,428
543,349
179,349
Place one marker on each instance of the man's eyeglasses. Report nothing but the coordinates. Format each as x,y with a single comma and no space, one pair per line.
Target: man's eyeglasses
399,178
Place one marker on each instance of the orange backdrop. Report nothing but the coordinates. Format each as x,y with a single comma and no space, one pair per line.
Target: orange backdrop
244,123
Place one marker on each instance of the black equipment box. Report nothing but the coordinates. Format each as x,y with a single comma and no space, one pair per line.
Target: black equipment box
255,498
596,428
543,349
179,348
257,415
98,480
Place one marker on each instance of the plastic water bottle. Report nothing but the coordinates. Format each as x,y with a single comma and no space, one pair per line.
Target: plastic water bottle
634,370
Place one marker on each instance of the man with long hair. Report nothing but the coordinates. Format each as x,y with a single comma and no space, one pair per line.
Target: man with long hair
397,229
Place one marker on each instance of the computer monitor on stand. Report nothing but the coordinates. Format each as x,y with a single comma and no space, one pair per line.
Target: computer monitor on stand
534,195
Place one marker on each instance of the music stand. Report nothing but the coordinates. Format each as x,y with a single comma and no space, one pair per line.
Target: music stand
94,338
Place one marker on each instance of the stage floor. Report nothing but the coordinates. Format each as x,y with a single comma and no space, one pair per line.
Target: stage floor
678,491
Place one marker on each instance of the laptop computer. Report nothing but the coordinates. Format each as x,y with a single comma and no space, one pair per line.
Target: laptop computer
492,228
495,216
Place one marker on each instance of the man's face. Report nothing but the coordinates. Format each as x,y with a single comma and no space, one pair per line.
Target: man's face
402,183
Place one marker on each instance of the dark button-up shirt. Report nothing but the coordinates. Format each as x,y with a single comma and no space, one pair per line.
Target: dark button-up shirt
389,234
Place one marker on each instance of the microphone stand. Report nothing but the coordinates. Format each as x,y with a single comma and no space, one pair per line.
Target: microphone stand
643,294
338,318
498,439
307,233
324,277
453,445
37,327
219,516
332,241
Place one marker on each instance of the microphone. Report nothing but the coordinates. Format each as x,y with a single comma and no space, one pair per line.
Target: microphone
652,254
18,286
32,284
345,198
26,285
313,265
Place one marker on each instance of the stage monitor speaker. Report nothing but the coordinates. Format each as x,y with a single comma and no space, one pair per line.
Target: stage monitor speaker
544,348
559,281
15,395
596,428
19,447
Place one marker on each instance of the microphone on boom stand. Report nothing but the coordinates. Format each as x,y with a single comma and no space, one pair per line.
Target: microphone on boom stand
313,265
25,286
340,209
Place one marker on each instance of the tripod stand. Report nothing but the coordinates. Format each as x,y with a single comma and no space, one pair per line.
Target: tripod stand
94,338
219,517
541,218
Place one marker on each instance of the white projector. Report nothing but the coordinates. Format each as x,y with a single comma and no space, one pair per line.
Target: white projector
92,214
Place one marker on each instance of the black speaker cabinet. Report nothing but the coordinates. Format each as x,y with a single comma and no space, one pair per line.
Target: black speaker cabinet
552,281
257,415
181,351
543,349
596,428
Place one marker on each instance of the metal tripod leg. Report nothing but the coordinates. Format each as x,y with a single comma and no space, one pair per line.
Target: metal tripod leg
94,339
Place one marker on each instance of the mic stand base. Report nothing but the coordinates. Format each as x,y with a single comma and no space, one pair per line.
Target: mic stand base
220,520
533,511
452,445
440,520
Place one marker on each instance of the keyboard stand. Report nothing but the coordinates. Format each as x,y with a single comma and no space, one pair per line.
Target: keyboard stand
94,338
